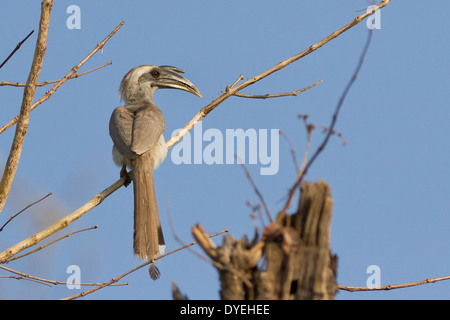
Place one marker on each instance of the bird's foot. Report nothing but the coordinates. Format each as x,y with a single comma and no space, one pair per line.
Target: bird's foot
124,173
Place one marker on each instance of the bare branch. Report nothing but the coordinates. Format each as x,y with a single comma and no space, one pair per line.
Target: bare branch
51,242
393,286
255,187
61,224
16,48
239,79
41,84
28,206
48,94
178,239
96,200
334,132
24,278
291,149
330,131
28,95
234,89
309,130
277,95
54,282
116,279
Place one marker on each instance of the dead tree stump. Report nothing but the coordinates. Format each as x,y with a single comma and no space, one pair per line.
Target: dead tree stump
291,261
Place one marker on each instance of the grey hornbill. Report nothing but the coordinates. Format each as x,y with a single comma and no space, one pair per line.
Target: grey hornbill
137,132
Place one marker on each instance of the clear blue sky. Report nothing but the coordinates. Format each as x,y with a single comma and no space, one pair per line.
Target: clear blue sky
389,183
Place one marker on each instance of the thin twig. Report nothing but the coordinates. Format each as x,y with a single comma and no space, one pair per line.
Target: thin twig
28,206
116,279
309,131
61,224
255,214
51,242
239,79
393,286
28,95
48,94
334,132
41,84
292,150
178,239
96,200
232,90
54,282
255,187
330,130
277,95
16,48
25,278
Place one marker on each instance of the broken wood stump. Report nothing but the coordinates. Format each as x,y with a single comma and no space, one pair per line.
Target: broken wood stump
292,260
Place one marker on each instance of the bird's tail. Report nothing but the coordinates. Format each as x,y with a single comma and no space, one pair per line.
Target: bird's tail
148,235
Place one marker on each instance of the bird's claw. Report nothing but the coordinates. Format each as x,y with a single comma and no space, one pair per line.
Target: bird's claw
124,173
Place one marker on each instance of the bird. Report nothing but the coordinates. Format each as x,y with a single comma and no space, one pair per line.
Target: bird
136,130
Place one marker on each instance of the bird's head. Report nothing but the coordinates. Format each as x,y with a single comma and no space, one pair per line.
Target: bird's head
139,84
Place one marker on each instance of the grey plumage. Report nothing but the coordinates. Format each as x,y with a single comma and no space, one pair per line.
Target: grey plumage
137,132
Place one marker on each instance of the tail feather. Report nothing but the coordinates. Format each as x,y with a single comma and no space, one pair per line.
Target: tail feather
148,236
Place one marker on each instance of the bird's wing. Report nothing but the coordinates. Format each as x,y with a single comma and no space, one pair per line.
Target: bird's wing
149,124
136,130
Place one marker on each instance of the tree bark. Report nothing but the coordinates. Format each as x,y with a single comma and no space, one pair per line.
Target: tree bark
291,261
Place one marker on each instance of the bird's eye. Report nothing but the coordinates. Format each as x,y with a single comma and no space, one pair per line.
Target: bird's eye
155,73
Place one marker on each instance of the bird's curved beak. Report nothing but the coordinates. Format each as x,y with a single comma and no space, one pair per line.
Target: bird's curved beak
170,78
